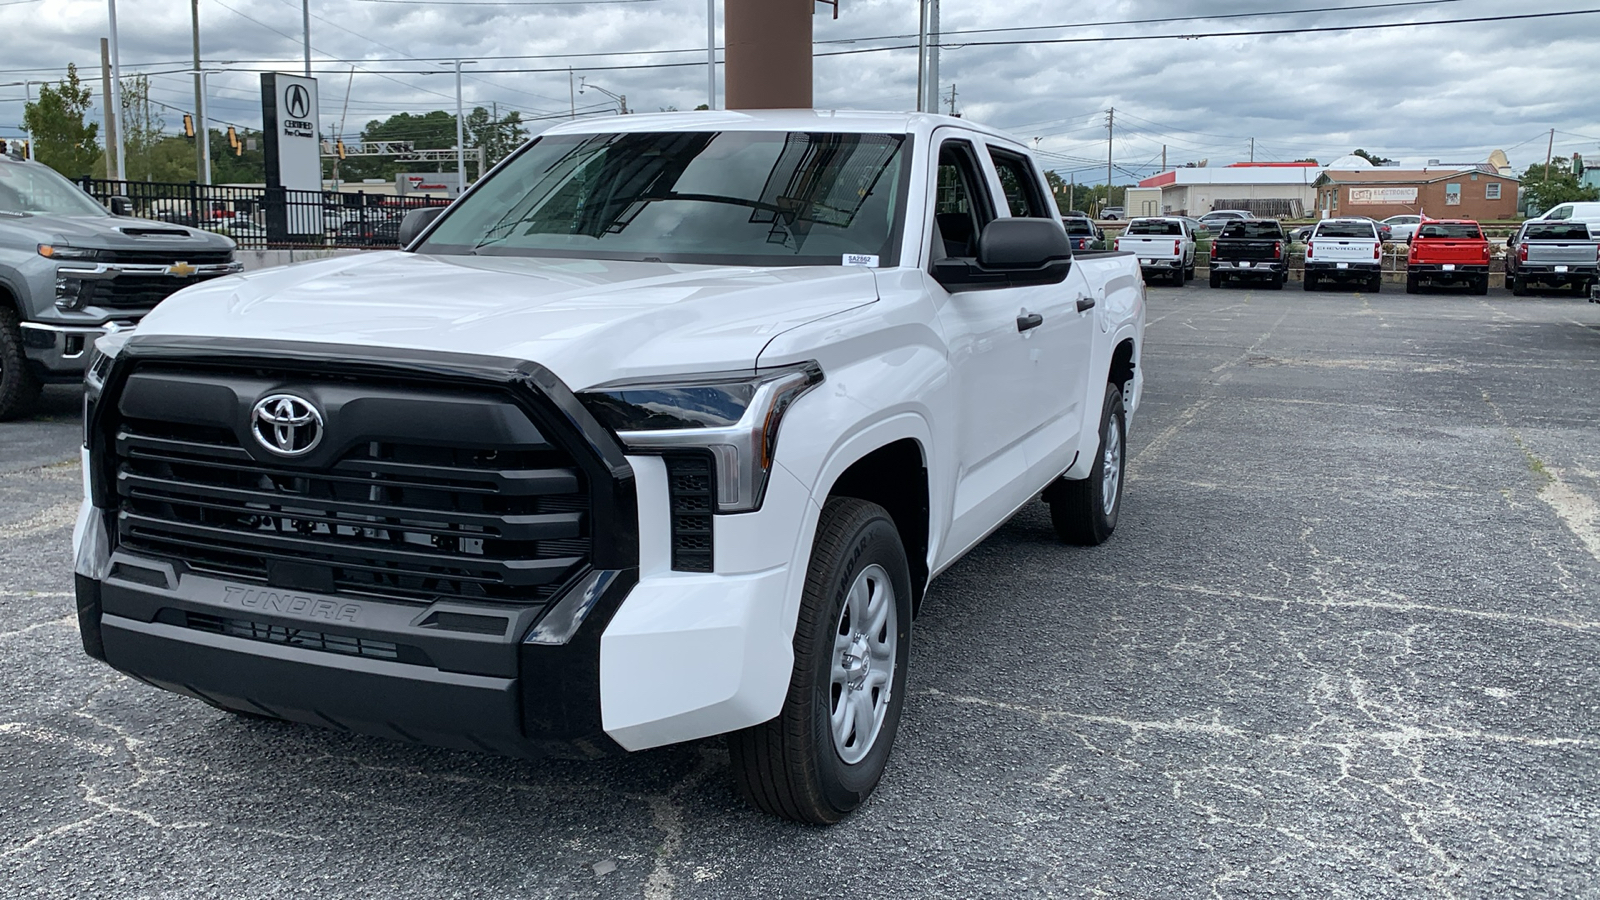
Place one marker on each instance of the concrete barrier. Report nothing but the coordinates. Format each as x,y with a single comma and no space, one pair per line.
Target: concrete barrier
266,259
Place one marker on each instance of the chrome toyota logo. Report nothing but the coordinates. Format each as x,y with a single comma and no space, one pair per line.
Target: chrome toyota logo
287,425
297,100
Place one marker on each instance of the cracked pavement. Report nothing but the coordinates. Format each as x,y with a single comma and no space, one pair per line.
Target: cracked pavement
1342,645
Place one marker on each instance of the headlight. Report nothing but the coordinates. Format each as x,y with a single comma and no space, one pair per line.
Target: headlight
61,251
101,357
734,416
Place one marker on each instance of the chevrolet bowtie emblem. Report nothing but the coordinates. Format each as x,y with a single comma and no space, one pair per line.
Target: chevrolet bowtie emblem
181,269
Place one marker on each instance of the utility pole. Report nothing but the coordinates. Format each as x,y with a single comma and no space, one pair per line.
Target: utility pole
1549,149
1252,149
1072,191
922,55
201,138
204,133
305,25
1111,126
711,54
572,94
1163,157
461,141
934,89
952,99
116,96
110,116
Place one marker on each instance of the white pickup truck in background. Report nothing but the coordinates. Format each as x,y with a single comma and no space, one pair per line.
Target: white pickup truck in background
659,432
1164,246
1344,250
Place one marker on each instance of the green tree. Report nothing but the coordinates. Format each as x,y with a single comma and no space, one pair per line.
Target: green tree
249,167
1560,185
1372,157
61,139
497,137
152,154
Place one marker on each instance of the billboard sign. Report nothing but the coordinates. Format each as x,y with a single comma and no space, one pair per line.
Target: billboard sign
293,155
425,183
1383,196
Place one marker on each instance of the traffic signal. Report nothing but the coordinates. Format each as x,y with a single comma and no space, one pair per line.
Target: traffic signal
27,149
340,146
234,142
188,125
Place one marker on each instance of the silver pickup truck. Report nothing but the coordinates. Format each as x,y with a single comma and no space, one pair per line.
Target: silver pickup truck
70,271
1554,254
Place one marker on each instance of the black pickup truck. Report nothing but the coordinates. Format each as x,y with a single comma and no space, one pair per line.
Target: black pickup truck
1251,248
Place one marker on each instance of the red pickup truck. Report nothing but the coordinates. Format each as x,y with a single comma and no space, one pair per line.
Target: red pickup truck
1448,251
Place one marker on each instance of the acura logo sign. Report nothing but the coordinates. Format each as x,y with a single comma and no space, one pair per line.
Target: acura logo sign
297,101
286,425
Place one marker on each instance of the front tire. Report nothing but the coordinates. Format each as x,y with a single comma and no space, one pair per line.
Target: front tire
1085,512
19,389
825,752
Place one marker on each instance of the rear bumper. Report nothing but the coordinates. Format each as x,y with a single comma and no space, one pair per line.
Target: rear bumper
1159,265
1250,266
1549,273
1343,270
1438,272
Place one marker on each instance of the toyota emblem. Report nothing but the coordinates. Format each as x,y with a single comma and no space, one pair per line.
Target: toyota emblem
286,425
297,100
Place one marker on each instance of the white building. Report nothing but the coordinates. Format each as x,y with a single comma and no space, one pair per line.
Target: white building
1286,190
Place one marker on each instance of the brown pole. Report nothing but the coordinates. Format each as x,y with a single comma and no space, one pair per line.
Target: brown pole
768,53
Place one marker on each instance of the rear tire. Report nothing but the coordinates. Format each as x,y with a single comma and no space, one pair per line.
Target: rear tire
1375,286
1177,276
851,645
1480,286
1519,286
1412,285
1216,280
1085,512
19,388
1276,284
1310,282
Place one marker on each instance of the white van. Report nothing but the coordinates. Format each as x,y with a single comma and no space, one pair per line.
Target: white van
1577,212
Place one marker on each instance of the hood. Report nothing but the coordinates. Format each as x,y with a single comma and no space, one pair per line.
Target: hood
588,321
119,233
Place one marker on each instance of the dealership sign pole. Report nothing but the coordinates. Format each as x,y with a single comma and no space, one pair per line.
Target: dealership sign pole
293,157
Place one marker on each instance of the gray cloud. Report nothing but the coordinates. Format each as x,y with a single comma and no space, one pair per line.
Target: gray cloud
1453,92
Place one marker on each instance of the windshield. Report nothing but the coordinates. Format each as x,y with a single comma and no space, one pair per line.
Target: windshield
39,189
1252,228
1346,230
1155,226
1450,231
724,198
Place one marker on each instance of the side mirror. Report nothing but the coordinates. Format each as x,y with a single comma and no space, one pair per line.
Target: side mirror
416,222
120,206
1011,253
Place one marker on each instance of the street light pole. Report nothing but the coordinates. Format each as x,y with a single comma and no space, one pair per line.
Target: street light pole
116,104
202,142
711,54
305,25
461,142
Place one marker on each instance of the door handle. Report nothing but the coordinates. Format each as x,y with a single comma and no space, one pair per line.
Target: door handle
1029,321
1085,304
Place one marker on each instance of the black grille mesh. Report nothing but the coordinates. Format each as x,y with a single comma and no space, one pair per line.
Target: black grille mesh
692,496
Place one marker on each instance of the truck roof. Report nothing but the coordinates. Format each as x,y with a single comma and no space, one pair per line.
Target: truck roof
1427,221
826,120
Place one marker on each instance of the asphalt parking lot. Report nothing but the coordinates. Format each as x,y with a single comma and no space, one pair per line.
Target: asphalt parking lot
1343,644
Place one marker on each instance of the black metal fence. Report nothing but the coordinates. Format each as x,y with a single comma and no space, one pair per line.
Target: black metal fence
260,218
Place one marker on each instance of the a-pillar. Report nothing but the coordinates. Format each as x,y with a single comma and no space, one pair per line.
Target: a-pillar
768,53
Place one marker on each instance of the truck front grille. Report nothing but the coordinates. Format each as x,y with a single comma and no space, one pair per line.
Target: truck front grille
390,518
132,291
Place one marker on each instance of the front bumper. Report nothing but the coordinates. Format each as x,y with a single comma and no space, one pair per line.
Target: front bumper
60,353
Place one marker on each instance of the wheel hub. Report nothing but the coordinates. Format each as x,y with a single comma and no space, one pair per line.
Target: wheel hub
857,662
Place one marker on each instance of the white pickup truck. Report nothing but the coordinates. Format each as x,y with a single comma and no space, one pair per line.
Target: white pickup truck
1163,246
659,432
1344,250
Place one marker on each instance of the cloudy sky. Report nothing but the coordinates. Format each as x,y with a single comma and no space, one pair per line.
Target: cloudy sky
1450,91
